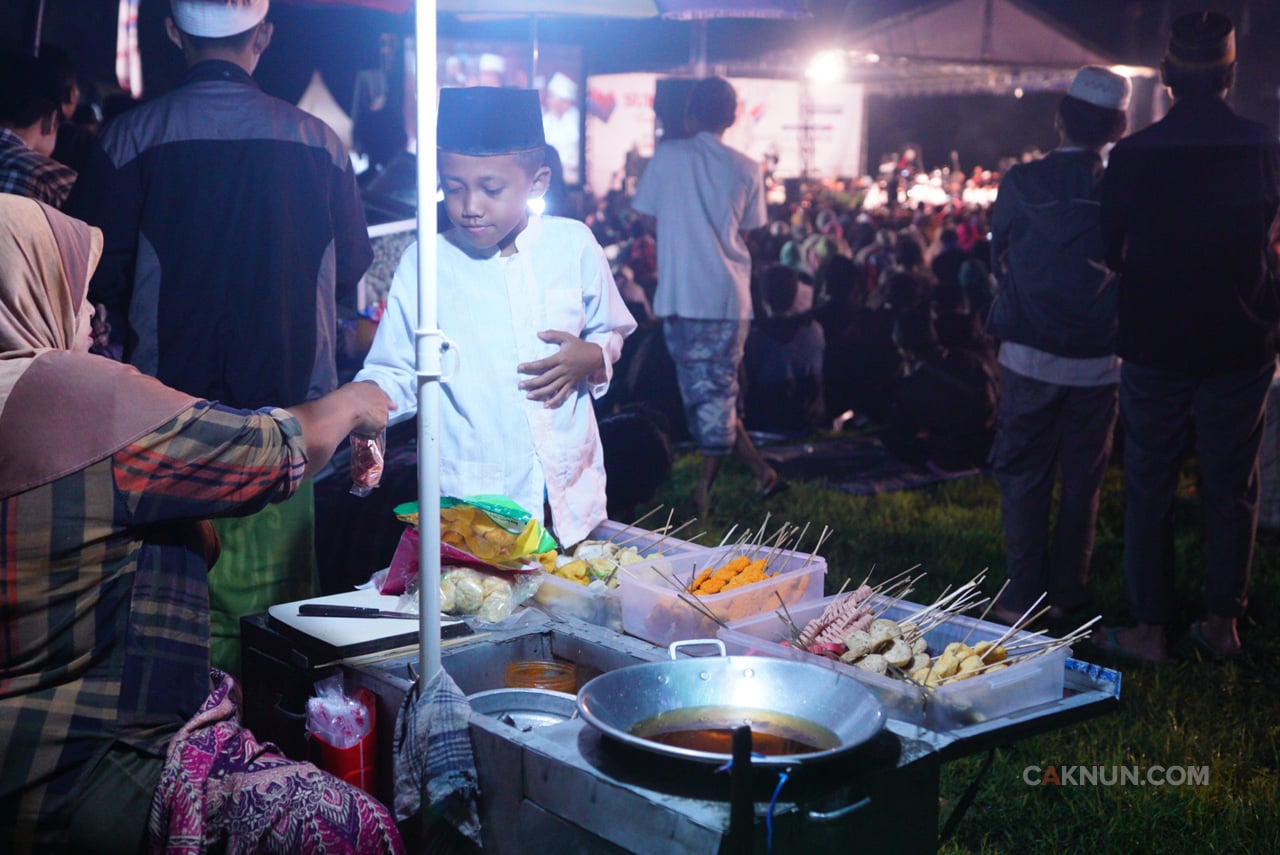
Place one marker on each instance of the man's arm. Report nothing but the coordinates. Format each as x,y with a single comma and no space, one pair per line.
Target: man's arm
359,408
1117,193
352,249
1002,215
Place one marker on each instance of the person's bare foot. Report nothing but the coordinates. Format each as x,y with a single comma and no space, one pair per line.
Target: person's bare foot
1144,642
1217,635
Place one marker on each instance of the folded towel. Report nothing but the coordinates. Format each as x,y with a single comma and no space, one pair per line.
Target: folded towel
432,751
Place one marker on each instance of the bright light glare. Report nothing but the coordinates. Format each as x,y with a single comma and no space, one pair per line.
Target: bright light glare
1018,93
537,206
826,67
1134,70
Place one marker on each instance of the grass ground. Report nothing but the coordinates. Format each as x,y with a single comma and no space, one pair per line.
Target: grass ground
1223,715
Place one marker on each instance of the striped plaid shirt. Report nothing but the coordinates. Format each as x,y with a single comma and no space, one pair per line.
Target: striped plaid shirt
104,605
26,172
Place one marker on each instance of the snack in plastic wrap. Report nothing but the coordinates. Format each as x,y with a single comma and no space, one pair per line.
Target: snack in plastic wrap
367,456
492,597
335,717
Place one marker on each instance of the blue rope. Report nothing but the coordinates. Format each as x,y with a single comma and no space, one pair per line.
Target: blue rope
773,800
768,819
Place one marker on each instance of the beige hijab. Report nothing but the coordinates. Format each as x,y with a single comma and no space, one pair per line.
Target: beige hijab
60,410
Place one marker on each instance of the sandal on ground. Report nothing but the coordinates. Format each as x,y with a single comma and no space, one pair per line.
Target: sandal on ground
775,486
1105,639
1197,639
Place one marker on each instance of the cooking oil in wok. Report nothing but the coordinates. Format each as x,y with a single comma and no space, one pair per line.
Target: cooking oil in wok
710,729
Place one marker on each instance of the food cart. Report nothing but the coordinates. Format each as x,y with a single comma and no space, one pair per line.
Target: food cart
547,773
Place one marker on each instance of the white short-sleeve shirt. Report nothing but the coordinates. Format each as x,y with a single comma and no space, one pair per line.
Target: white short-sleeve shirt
704,194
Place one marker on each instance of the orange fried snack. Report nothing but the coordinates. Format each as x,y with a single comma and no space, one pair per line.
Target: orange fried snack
734,574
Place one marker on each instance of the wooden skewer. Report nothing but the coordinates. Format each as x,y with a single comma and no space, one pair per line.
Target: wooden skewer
1022,621
868,579
983,616
822,538
666,533
686,596
637,522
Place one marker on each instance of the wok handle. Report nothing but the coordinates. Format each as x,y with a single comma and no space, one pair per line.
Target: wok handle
692,642
841,813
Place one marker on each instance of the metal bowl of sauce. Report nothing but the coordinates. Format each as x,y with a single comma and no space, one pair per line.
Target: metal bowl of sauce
688,708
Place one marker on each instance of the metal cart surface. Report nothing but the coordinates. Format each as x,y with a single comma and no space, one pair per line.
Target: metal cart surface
571,789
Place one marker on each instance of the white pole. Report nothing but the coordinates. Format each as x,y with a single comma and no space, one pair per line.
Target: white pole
429,346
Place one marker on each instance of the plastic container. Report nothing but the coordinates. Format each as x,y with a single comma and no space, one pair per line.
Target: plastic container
951,705
357,765
653,607
600,604
549,674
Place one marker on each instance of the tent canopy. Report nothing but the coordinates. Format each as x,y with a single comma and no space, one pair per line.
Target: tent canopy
954,47
1000,32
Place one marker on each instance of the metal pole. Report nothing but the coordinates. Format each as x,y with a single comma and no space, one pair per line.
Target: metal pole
428,349
35,23
698,48
533,52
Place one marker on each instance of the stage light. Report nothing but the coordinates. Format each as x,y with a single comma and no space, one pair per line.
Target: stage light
826,67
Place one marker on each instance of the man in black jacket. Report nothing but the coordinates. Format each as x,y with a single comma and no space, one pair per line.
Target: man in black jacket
1188,206
233,240
1056,320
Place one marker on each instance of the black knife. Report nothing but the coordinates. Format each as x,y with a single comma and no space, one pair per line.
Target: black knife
323,610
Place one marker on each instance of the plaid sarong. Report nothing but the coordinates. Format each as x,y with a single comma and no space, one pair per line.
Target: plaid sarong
432,751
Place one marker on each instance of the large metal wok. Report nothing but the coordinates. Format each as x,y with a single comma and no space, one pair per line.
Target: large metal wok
638,704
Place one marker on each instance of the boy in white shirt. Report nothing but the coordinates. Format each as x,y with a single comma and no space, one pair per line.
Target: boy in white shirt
533,308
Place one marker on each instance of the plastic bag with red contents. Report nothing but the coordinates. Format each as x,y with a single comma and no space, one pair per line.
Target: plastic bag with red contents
368,454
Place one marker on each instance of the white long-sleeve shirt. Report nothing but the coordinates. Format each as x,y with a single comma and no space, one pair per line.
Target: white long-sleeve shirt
493,439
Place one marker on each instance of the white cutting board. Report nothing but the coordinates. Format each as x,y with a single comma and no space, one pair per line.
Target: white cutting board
342,631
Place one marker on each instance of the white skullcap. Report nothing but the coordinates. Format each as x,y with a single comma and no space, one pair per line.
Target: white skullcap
215,19
1102,88
562,87
492,62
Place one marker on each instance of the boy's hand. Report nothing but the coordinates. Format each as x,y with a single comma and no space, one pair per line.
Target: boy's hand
558,375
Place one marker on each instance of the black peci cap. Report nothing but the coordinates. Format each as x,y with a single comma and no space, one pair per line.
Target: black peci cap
1201,40
488,120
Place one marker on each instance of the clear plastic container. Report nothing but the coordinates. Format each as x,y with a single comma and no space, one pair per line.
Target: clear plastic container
542,674
600,604
951,705
655,608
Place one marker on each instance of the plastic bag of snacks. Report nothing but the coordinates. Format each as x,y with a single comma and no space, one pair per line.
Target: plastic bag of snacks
490,596
482,532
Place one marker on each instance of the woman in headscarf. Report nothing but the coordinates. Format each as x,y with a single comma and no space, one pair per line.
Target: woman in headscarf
110,717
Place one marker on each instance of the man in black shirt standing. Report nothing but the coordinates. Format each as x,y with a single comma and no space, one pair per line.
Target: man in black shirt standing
233,238
1187,210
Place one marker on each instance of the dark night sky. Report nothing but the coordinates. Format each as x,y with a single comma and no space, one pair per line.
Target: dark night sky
981,127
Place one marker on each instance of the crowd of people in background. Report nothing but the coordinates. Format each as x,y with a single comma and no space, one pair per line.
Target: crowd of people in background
856,312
